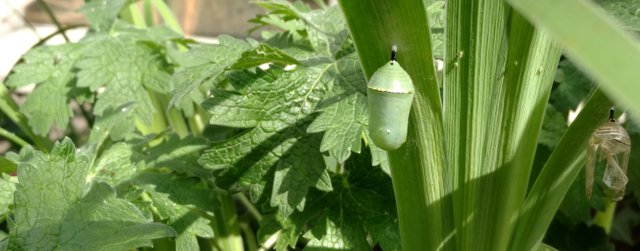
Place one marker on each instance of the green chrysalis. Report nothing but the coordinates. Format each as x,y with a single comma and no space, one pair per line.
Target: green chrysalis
389,94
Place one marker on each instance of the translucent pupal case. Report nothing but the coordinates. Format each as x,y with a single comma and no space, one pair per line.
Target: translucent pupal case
609,143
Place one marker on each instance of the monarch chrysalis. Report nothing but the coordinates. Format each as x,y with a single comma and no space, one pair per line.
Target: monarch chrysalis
389,94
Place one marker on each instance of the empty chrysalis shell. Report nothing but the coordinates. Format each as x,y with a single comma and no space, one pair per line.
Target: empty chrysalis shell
609,143
389,94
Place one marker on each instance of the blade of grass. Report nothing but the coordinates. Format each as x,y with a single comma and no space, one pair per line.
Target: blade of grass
561,169
420,177
594,41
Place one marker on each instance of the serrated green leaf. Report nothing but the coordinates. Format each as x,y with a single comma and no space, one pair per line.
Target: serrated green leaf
67,217
327,31
101,14
178,154
127,70
279,125
180,201
342,123
553,127
181,190
336,234
262,54
111,124
115,165
206,62
300,168
273,104
7,187
51,69
573,87
292,44
361,206
280,228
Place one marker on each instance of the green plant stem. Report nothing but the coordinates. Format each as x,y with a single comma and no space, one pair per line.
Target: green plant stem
605,219
557,175
167,16
11,136
249,206
132,15
225,226
250,237
148,13
159,121
46,8
9,107
173,116
421,180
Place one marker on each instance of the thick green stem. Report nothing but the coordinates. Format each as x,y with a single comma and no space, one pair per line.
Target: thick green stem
225,226
148,13
421,180
249,206
132,15
605,219
173,116
167,15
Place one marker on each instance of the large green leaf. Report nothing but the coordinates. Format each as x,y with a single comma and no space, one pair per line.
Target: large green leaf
73,214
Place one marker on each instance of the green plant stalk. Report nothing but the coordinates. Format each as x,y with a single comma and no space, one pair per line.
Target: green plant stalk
167,16
605,219
251,240
420,177
46,8
11,136
573,24
530,68
148,13
474,93
9,107
132,15
249,206
225,226
173,116
558,174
